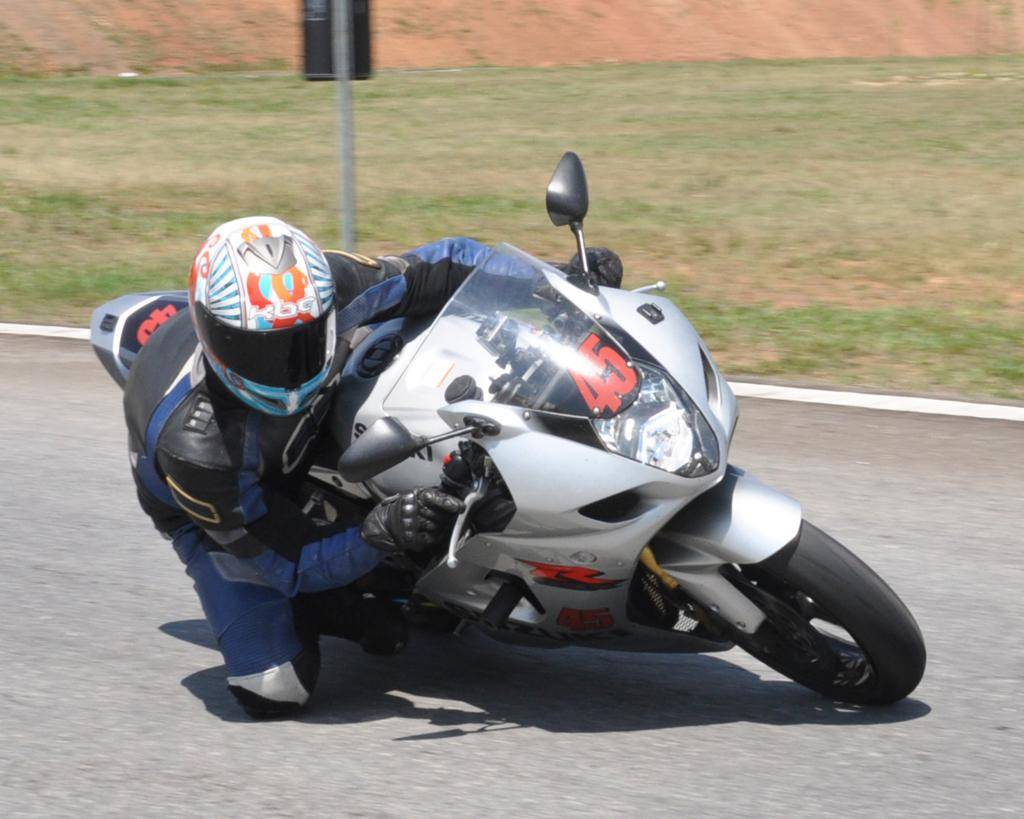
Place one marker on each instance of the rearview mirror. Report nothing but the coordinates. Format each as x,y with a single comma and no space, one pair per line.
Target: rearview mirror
386,443
567,198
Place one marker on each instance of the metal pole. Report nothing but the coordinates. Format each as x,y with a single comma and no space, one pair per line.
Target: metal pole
341,15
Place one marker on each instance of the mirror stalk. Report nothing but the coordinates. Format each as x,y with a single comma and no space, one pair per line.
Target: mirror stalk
386,443
474,425
584,281
567,203
581,246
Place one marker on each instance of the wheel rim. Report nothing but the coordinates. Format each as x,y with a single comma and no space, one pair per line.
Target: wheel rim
806,633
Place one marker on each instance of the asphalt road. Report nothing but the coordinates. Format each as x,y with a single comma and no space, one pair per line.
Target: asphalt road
113,699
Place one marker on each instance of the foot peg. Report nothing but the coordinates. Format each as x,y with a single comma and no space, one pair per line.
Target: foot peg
385,630
503,603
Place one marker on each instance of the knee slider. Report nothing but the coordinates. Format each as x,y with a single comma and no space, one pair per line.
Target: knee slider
280,690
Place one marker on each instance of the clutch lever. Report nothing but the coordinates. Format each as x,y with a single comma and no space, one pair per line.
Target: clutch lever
480,487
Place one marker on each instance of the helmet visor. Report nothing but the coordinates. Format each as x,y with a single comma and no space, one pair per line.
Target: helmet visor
273,400
285,358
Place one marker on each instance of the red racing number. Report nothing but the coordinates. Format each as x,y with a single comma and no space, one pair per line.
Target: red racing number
585,619
610,379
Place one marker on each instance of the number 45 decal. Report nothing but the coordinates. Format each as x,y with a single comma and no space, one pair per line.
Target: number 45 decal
585,619
610,379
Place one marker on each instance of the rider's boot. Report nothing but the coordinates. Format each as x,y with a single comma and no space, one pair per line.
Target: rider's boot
378,625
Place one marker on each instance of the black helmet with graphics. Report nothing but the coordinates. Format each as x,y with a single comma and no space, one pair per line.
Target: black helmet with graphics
262,301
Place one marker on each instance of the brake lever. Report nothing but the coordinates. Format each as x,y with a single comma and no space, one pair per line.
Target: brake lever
480,487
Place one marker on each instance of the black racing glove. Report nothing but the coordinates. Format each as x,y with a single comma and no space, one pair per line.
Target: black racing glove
605,266
413,521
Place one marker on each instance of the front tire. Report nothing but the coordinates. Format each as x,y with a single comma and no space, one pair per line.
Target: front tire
832,624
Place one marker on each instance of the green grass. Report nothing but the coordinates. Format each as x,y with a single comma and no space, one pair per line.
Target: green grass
855,222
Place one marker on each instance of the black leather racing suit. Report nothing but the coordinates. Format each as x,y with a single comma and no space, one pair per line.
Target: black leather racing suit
221,480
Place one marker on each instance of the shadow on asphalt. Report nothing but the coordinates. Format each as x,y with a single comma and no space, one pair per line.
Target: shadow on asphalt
196,632
488,686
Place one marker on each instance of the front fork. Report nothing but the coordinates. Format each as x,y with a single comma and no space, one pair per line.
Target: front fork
739,521
716,597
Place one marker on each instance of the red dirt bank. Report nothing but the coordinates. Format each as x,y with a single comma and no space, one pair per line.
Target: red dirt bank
108,36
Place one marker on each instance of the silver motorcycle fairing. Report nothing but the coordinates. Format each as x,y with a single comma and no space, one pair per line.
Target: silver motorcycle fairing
484,565
548,527
552,478
360,402
738,521
412,389
680,351
741,520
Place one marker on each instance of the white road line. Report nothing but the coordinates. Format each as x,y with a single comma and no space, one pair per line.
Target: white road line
49,331
838,398
891,403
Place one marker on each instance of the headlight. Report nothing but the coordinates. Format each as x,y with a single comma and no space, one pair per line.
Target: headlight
662,428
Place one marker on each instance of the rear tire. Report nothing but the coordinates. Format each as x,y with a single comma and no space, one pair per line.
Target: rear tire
832,624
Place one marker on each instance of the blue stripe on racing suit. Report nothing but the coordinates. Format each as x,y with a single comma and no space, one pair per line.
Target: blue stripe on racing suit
250,494
471,253
325,564
459,249
370,303
252,623
146,464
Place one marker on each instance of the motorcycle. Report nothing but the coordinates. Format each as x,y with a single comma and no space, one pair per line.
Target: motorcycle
587,430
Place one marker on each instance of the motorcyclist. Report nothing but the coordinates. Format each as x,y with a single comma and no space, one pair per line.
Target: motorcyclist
223,412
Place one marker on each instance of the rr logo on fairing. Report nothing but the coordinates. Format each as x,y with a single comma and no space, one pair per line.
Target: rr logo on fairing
579,578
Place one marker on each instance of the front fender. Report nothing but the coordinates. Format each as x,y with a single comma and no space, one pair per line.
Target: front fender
740,521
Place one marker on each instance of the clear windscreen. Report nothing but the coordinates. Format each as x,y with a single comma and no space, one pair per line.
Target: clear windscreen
513,332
